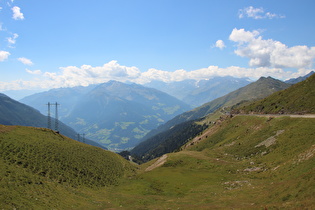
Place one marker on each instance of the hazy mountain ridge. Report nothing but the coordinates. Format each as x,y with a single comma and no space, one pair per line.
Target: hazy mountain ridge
299,79
196,93
115,114
16,113
66,97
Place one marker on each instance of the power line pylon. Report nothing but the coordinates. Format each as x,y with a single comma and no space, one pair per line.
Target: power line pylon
83,139
56,117
48,117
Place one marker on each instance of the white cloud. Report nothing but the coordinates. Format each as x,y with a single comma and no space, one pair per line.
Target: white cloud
4,55
209,72
12,40
220,44
35,72
241,36
85,75
17,14
25,61
270,53
257,13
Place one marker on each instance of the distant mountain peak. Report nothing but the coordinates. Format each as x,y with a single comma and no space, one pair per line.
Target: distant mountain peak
299,79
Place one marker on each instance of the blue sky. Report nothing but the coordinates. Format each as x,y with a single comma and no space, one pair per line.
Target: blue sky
50,44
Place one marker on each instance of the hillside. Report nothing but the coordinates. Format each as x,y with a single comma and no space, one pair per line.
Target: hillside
259,89
243,162
39,163
15,113
297,99
256,90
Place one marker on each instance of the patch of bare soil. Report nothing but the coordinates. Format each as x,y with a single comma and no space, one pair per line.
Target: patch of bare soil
157,163
271,140
235,184
308,154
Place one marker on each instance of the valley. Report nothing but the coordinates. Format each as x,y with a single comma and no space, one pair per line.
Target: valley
237,156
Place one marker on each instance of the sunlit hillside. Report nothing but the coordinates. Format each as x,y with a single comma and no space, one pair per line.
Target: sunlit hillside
38,164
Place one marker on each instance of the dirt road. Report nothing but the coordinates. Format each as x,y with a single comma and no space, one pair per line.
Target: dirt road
279,115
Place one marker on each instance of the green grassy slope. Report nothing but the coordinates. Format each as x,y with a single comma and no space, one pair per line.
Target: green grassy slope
297,99
244,162
234,166
39,163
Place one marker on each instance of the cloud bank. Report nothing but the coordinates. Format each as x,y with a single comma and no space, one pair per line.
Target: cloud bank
85,75
270,53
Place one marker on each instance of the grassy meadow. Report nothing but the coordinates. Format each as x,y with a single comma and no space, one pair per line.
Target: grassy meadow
244,162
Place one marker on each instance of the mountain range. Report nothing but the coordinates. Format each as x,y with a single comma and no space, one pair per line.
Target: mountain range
114,114
196,93
119,116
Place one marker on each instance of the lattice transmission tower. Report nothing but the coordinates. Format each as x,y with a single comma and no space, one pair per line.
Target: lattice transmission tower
56,116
